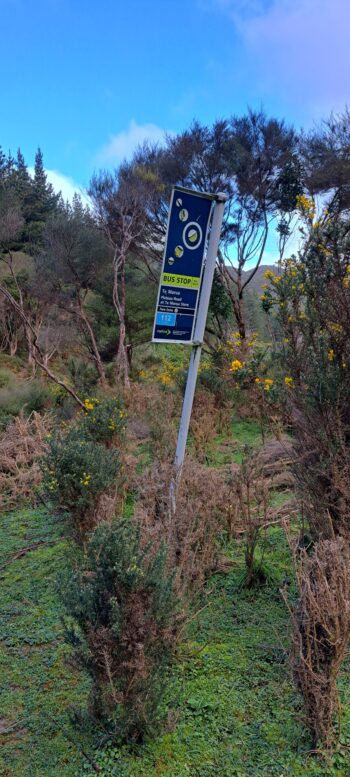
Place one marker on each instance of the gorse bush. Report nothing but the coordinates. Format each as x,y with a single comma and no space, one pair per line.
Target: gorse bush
311,298
83,467
104,419
78,470
123,601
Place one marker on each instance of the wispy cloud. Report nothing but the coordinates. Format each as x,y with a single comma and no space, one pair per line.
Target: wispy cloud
298,49
122,145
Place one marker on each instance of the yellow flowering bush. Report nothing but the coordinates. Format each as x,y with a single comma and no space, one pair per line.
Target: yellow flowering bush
104,419
77,469
307,209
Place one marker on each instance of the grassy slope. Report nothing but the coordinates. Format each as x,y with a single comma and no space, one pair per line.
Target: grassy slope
237,712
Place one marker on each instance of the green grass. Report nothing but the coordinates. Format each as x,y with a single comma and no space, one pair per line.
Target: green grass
37,684
228,447
238,712
235,708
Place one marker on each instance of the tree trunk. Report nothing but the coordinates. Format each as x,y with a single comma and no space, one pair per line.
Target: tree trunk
122,362
236,301
119,300
90,332
31,358
13,344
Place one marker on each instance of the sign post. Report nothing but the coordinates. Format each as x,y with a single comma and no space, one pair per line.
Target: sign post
190,253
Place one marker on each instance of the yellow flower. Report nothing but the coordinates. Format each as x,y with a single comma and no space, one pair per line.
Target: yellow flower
330,355
88,404
236,365
289,382
257,380
336,328
268,383
268,274
165,378
285,340
306,206
346,282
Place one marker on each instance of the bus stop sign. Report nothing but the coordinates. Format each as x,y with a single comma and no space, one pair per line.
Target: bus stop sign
180,281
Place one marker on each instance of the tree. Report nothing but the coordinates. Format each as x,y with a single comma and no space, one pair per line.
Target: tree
325,155
257,155
253,160
41,204
74,253
121,201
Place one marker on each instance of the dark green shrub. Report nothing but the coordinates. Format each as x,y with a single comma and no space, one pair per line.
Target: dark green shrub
83,375
104,419
77,470
311,300
123,601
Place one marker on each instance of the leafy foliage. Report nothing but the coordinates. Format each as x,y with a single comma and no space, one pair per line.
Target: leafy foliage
124,604
104,419
77,470
312,299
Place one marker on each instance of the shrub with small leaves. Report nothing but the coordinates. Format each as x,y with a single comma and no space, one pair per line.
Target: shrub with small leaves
104,419
77,470
125,615
311,301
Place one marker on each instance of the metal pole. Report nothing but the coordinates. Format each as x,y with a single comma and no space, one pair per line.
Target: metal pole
199,333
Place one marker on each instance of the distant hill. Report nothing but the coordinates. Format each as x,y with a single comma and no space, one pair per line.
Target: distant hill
256,283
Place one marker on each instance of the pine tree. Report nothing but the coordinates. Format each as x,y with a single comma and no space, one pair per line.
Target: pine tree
23,181
42,202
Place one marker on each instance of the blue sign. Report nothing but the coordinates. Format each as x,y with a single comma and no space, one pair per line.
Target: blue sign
180,281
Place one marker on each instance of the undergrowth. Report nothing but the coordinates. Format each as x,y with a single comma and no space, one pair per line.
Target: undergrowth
229,680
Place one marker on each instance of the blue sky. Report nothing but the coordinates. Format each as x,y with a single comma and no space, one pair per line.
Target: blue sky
89,80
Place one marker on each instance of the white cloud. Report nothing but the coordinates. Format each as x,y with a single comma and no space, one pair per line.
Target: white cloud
64,184
122,145
297,49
